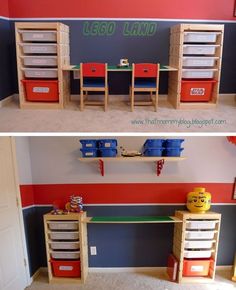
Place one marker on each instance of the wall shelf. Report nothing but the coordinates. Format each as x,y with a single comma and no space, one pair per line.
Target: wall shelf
158,160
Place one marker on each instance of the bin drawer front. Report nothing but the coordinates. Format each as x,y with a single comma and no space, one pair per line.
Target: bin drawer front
65,255
197,74
199,61
199,49
199,235
64,235
61,225
64,245
198,244
66,268
196,267
40,73
39,48
36,35
196,224
201,37
40,61
197,253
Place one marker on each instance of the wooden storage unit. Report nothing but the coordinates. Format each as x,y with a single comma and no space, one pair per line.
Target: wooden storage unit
195,49
196,224
66,239
42,50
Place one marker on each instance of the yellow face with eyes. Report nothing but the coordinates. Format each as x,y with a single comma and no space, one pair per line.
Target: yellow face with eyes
198,201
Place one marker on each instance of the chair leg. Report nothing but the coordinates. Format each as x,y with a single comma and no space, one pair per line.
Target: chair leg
132,100
105,100
156,101
81,100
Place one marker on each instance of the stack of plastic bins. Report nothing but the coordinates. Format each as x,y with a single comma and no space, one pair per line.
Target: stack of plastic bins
107,147
40,65
198,67
198,244
153,147
173,147
89,148
64,248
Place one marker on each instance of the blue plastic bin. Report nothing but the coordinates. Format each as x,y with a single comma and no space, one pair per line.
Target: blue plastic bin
89,143
89,152
172,152
110,152
153,152
153,143
173,142
107,143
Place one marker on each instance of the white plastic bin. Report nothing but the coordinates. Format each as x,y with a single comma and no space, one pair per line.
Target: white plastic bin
197,74
198,244
200,224
199,235
64,245
65,255
40,73
39,48
197,254
199,49
40,61
64,235
198,61
199,36
39,35
63,225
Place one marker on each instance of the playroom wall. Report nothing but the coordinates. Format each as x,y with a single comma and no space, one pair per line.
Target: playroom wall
111,48
6,50
126,189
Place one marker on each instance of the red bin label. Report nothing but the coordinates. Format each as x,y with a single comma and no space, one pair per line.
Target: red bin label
197,91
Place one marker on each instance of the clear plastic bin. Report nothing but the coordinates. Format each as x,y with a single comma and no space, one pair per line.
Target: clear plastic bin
199,49
197,74
200,224
199,36
64,235
65,225
197,253
199,61
64,245
39,48
40,61
40,73
199,235
65,255
198,244
39,35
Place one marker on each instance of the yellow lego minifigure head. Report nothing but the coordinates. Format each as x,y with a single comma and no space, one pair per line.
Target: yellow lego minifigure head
198,201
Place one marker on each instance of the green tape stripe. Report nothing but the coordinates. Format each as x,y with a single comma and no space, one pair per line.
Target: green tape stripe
132,219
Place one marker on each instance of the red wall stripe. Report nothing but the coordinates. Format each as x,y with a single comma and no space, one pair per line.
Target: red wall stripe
185,9
124,193
27,195
4,11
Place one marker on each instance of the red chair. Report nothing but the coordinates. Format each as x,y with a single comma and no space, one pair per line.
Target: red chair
93,77
145,78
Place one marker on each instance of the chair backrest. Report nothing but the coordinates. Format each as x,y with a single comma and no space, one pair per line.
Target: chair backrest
145,70
94,69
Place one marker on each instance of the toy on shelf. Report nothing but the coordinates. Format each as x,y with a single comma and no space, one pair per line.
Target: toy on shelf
198,201
56,208
123,62
129,153
75,204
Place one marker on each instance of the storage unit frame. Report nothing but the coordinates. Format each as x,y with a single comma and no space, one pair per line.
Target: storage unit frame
176,60
179,242
82,229
63,58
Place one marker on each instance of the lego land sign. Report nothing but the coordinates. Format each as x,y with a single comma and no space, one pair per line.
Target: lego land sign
108,28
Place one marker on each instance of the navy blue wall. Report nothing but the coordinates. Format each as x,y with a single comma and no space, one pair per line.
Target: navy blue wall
128,245
136,48
7,57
